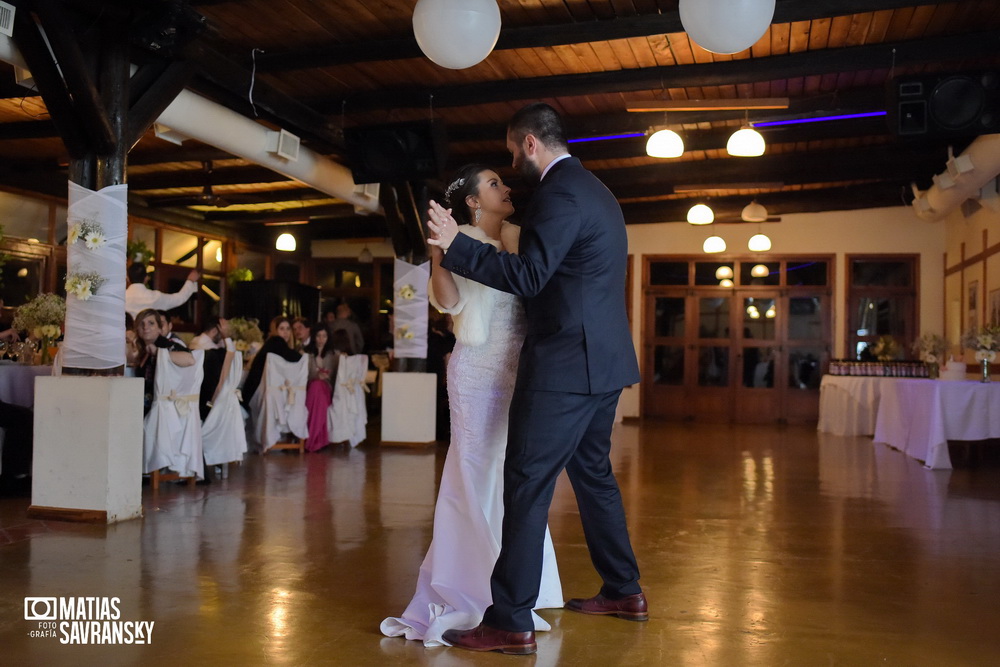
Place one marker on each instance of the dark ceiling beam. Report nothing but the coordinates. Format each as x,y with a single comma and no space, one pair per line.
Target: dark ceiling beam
192,221
699,140
156,98
542,36
283,215
869,98
931,50
195,153
87,104
50,83
899,163
780,203
28,129
190,178
235,80
256,197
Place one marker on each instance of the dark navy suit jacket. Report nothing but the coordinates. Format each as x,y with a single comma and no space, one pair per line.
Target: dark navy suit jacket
570,269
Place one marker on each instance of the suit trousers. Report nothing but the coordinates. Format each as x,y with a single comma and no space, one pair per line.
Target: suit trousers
550,431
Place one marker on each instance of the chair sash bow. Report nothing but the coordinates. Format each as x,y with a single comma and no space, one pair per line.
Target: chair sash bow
182,402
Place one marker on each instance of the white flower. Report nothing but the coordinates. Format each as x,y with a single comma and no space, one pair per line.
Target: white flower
74,234
95,240
37,332
82,289
51,331
408,335
406,292
985,355
930,358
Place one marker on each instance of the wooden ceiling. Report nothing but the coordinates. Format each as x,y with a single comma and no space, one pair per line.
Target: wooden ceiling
317,68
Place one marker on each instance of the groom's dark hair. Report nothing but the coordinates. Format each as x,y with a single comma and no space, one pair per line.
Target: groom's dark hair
542,121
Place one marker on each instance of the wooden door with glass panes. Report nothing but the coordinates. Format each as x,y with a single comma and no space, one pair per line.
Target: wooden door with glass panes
736,340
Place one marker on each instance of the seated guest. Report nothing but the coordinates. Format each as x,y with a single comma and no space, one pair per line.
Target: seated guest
301,332
279,342
213,335
150,341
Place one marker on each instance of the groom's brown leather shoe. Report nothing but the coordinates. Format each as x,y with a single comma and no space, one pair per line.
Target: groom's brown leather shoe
630,607
484,638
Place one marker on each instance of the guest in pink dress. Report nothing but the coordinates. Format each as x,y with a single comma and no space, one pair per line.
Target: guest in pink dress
323,360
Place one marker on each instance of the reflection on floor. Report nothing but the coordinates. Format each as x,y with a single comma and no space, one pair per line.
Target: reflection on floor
758,545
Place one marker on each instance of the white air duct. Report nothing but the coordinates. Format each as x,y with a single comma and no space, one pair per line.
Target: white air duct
196,117
964,178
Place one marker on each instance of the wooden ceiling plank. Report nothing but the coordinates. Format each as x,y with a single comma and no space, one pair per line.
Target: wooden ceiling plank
551,24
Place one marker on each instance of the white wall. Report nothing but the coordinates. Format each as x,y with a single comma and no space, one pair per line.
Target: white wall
882,230
973,255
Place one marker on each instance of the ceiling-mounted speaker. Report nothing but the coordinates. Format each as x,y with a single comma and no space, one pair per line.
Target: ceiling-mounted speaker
410,151
945,105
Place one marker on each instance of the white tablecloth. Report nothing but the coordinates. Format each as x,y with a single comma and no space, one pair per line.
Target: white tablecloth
17,382
848,405
919,417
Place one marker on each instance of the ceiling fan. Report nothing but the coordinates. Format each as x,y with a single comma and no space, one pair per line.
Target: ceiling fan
207,196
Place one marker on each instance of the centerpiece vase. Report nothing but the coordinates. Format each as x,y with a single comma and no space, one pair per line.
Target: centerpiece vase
986,371
46,352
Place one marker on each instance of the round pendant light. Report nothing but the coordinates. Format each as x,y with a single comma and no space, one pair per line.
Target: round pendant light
664,143
759,243
285,242
724,273
759,271
714,244
700,214
754,212
726,283
745,142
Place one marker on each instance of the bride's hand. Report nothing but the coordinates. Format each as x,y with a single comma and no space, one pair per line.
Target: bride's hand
442,226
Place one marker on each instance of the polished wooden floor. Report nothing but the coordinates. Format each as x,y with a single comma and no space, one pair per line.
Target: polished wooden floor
758,546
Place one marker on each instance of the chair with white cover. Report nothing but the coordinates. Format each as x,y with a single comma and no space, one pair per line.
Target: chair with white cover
279,404
172,428
347,417
223,432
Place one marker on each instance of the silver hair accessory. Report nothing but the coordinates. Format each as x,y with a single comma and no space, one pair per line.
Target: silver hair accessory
456,184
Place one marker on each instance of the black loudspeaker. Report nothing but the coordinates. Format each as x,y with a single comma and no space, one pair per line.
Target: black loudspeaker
945,105
396,152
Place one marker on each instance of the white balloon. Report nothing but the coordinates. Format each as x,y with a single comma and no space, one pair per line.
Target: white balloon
456,33
726,26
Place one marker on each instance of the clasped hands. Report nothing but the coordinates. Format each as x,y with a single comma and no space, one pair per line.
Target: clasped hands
441,225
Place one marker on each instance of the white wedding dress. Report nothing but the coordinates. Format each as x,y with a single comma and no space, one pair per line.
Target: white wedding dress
453,586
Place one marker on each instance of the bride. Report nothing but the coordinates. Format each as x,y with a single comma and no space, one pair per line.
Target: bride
453,585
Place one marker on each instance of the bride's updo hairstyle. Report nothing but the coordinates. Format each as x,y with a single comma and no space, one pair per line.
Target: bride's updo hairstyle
464,183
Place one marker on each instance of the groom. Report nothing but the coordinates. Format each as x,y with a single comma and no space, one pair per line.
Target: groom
576,358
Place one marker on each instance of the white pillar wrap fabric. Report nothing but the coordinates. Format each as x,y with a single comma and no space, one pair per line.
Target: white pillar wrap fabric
409,309
95,327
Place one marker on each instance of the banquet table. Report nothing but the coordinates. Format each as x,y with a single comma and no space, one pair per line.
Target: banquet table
919,417
17,382
849,404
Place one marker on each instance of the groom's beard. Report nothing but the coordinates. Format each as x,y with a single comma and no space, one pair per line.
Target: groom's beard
530,172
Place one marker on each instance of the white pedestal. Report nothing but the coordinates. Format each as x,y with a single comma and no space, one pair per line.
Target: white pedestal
87,462
409,407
